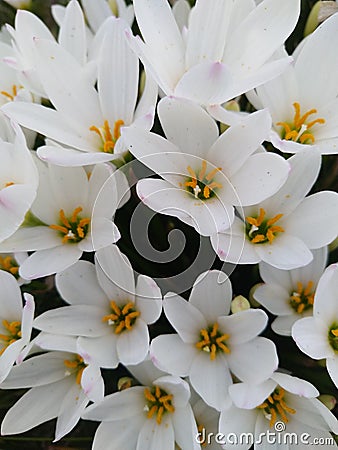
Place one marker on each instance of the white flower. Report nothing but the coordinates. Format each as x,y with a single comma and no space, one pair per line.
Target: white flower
18,183
16,323
274,410
283,229
204,174
289,294
63,381
153,416
317,336
107,308
86,119
68,217
227,49
209,344
302,101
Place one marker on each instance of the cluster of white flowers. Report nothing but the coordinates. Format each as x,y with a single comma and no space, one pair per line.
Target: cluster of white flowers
75,110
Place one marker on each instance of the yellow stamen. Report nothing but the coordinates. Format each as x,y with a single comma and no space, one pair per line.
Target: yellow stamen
202,185
302,299
122,319
108,138
263,230
73,229
14,333
76,365
299,130
158,402
335,332
212,340
274,406
9,184
11,95
9,264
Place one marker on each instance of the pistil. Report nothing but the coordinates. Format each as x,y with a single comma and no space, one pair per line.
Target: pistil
122,318
202,184
260,230
303,298
73,229
212,341
159,402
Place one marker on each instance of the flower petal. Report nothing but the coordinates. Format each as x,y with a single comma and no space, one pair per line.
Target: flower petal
49,261
102,349
133,345
249,396
216,284
155,437
148,299
325,307
243,326
311,337
172,355
211,380
184,317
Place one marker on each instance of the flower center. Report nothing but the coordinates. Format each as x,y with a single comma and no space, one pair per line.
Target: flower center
260,230
108,138
10,96
122,318
9,265
274,406
211,341
302,299
159,402
76,365
300,129
201,184
333,337
12,335
74,229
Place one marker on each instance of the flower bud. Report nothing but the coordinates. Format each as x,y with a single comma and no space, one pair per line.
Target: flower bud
328,400
124,383
239,303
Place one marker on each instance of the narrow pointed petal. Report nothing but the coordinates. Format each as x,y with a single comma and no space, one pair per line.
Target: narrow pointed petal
72,34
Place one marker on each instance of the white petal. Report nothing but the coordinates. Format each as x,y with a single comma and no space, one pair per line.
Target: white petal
283,324
96,14
31,238
322,88
260,34
185,428
295,385
271,275
15,201
155,437
115,274
211,380
179,388
69,157
102,349
77,320
243,326
50,123
119,434
148,299
38,370
10,297
184,317
325,307
49,261
172,355
260,352
78,285
72,35
286,252
304,166
234,421
249,396
160,31
103,233
120,405
132,346
92,383
216,284
206,83
237,143
118,99
274,298
8,357
332,368
49,341
311,337
27,317
260,177
233,246
37,406
68,89
187,125
323,229
71,408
